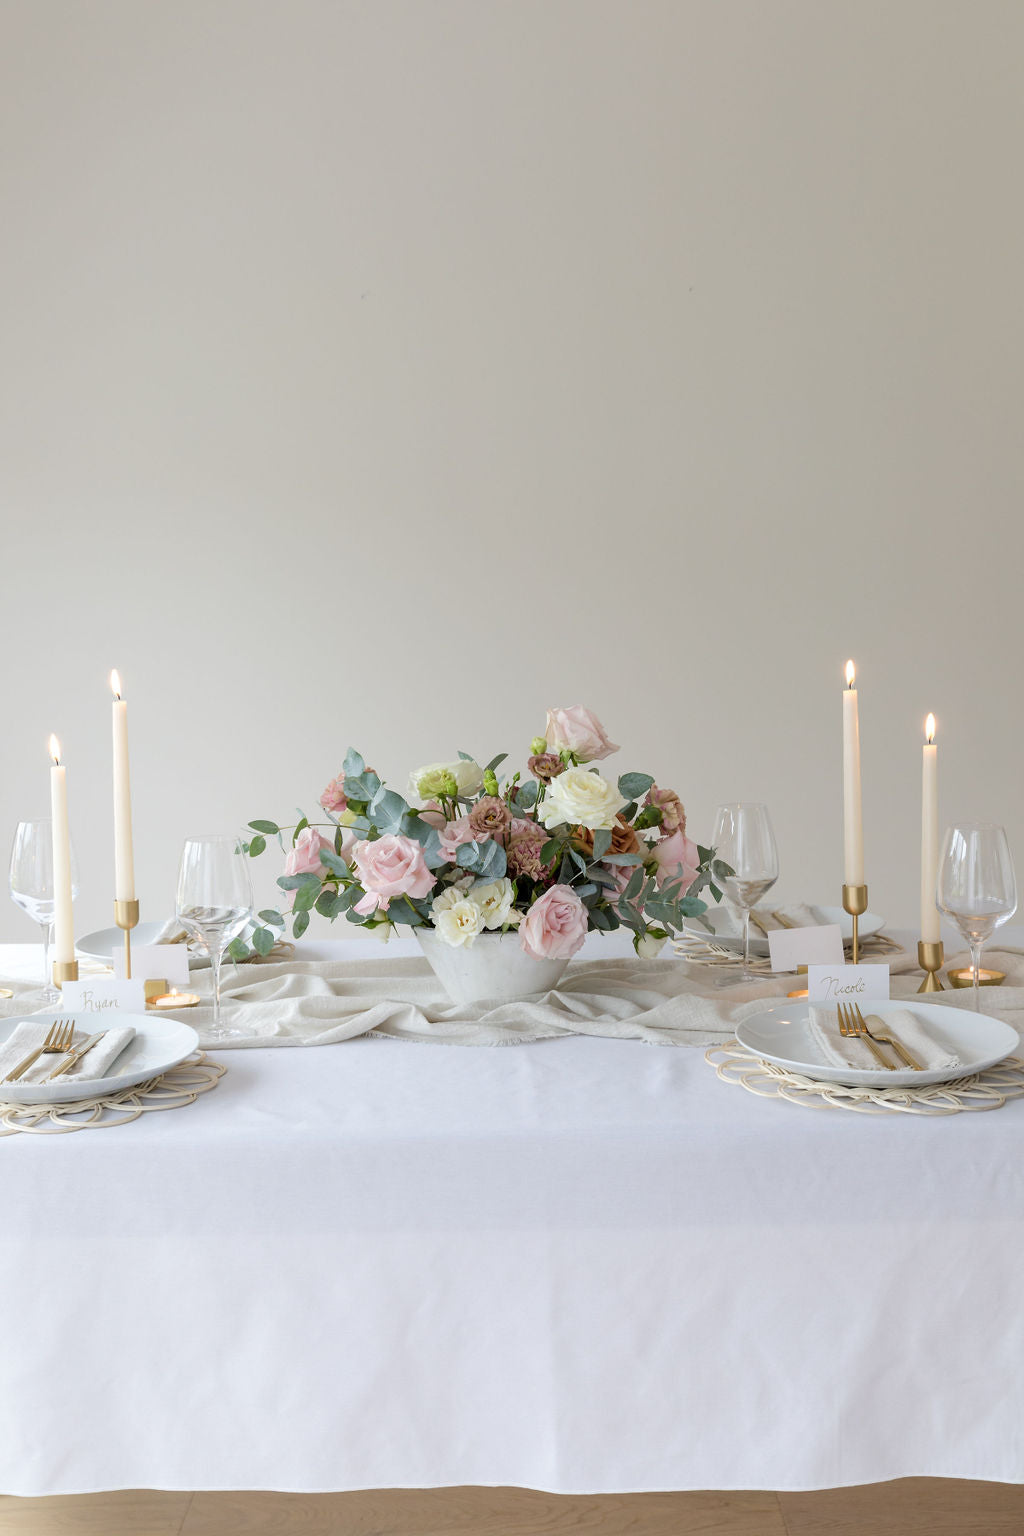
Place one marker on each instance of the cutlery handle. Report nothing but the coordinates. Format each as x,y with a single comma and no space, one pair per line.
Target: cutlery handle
877,1052
75,1057
23,1066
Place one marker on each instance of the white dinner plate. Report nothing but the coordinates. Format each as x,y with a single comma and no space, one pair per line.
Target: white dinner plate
780,1033
103,944
159,1043
870,924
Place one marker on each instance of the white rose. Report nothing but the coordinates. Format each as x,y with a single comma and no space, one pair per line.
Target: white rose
468,776
649,946
495,898
581,798
460,922
381,932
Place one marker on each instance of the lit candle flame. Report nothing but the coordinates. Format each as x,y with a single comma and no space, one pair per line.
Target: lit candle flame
851,673
115,683
929,729
55,751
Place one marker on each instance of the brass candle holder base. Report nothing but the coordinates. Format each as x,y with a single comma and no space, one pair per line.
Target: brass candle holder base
126,916
930,956
64,970
855,901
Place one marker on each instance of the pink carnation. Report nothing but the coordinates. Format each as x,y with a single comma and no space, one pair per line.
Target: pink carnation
555,926
677,857
673,817
525,841
304,858
333,797
392,866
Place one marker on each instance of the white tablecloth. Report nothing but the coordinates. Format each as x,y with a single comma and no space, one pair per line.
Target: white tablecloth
584,1265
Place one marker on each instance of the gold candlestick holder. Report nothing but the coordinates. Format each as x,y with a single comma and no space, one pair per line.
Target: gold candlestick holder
855,901
64,970
930,956
126,916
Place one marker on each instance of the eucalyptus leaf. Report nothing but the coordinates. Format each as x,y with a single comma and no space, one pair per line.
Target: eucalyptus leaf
300,827
633,785
300,924
306,897
263,941
635,885
495,761
270,827
622,858
238,950
354,764
257,846
273,918
602,842
333,862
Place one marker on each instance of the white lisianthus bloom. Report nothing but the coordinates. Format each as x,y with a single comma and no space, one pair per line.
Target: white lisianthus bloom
650,945
495,898
449,896
581,799
429,781
460,922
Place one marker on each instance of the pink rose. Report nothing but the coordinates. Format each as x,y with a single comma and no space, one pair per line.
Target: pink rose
676,857
621,874
555,926
333,797
454,834
392,866
578,730
304,858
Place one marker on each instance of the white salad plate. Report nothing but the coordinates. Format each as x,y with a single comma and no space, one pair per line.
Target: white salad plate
105,942
780,1034
160,1043
870,924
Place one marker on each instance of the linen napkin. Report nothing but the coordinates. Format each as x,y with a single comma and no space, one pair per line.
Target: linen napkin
842,1051
797,914
26,1036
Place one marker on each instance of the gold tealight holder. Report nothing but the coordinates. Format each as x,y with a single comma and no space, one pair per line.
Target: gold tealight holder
855,901
64,970
963,976
930,955
126,916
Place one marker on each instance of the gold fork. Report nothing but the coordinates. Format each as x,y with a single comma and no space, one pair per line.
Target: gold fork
58,1040
849,1014
897,1046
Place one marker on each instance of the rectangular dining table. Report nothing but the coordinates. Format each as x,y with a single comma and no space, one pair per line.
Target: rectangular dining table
580,1265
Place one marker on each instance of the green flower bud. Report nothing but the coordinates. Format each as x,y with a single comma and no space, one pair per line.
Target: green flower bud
490,782
538,745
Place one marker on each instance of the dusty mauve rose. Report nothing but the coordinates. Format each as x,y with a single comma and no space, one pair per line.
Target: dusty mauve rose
676,857
545,766
673,817
333,797
392,866
304,858
555,926
454,834
578,730
624,839
489,817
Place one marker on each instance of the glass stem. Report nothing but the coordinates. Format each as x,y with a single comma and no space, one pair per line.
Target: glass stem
975,968
216,956
47,936
746,942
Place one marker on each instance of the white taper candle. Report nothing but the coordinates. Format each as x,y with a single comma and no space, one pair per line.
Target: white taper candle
929,835
124,857
853,824
63,921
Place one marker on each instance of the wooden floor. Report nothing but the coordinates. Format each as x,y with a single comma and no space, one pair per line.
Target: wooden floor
911,1507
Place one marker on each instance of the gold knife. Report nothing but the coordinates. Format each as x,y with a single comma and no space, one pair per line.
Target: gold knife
76,1055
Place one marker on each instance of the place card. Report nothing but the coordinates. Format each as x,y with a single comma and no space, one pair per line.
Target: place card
101,994
790,948
847,983
154,962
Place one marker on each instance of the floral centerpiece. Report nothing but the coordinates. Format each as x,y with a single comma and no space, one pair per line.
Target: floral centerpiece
473,856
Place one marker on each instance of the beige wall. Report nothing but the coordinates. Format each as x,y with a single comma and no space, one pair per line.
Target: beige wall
384,372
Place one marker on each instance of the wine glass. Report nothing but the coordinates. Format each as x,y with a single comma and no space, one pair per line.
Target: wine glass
976,885
214,904
744,841
31,883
